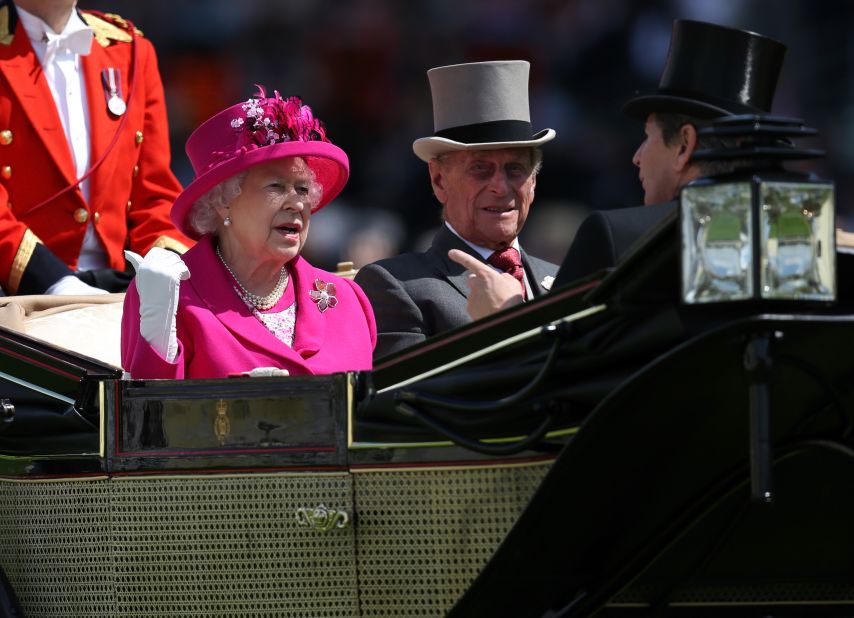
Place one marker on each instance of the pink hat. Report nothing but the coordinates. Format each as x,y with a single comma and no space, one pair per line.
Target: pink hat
258,131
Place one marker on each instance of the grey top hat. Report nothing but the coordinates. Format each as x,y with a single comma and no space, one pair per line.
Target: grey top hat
480,106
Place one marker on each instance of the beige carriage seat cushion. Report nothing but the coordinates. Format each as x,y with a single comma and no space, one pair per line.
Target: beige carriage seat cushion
87,325
346,270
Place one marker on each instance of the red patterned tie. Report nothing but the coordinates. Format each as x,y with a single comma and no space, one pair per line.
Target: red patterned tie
510,262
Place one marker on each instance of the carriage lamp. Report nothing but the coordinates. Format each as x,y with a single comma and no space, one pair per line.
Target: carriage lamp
761,232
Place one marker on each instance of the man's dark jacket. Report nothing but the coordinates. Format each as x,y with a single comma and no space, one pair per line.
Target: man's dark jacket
605,237
418,295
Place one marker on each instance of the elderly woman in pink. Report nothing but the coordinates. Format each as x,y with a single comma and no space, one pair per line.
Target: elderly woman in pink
242,301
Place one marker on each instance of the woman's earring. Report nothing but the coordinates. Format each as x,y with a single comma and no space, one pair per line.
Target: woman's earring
227,221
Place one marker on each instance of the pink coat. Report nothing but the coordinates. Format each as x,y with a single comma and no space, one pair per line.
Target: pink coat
218,336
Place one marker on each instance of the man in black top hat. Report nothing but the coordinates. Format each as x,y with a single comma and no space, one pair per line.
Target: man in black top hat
711,71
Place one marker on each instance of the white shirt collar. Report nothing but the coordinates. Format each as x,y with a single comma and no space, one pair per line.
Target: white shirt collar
40,33
482,251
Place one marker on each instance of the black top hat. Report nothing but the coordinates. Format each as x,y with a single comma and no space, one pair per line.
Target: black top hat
714,71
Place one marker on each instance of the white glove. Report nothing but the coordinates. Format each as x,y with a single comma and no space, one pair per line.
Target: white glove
72,286
158,280
266,372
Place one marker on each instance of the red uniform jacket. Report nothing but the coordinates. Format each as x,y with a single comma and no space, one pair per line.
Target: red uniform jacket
131,192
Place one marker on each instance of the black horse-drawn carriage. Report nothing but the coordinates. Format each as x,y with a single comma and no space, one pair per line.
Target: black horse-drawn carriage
604,449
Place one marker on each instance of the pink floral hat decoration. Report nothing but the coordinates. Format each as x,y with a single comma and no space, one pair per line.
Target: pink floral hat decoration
260,130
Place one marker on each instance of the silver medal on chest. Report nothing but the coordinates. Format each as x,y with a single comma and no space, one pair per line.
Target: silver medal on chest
112,78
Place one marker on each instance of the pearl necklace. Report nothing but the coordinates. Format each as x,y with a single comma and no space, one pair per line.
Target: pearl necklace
259,302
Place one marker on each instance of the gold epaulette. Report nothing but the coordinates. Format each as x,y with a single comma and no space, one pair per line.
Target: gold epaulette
113,28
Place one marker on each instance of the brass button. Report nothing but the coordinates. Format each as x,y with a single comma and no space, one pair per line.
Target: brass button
135,171
96,217
138,138
5,137
129,204
81,215
6,172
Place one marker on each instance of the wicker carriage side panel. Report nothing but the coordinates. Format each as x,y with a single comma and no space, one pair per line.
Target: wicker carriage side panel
224,546
424,534
55,546
213,546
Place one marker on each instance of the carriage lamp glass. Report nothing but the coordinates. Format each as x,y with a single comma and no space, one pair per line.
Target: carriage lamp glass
717,243
798,241
757,239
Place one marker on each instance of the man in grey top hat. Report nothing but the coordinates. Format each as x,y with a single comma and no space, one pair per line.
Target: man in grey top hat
483,162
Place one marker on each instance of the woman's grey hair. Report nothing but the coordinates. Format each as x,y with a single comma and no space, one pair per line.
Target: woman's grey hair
203,217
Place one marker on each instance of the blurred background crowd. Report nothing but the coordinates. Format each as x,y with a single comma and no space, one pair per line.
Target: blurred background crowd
361,65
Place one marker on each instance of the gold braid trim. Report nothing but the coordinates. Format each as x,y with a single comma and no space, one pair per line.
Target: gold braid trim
122,23
106,31
22,259
164,242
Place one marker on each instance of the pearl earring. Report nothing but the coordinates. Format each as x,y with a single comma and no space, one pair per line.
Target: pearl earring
227,221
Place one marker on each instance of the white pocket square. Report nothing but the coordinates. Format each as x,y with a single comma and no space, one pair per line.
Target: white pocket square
547,282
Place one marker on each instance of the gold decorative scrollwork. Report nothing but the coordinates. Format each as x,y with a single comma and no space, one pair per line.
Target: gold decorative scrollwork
321,518
221,424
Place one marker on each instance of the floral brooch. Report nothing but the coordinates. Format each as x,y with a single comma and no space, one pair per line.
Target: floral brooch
324,295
